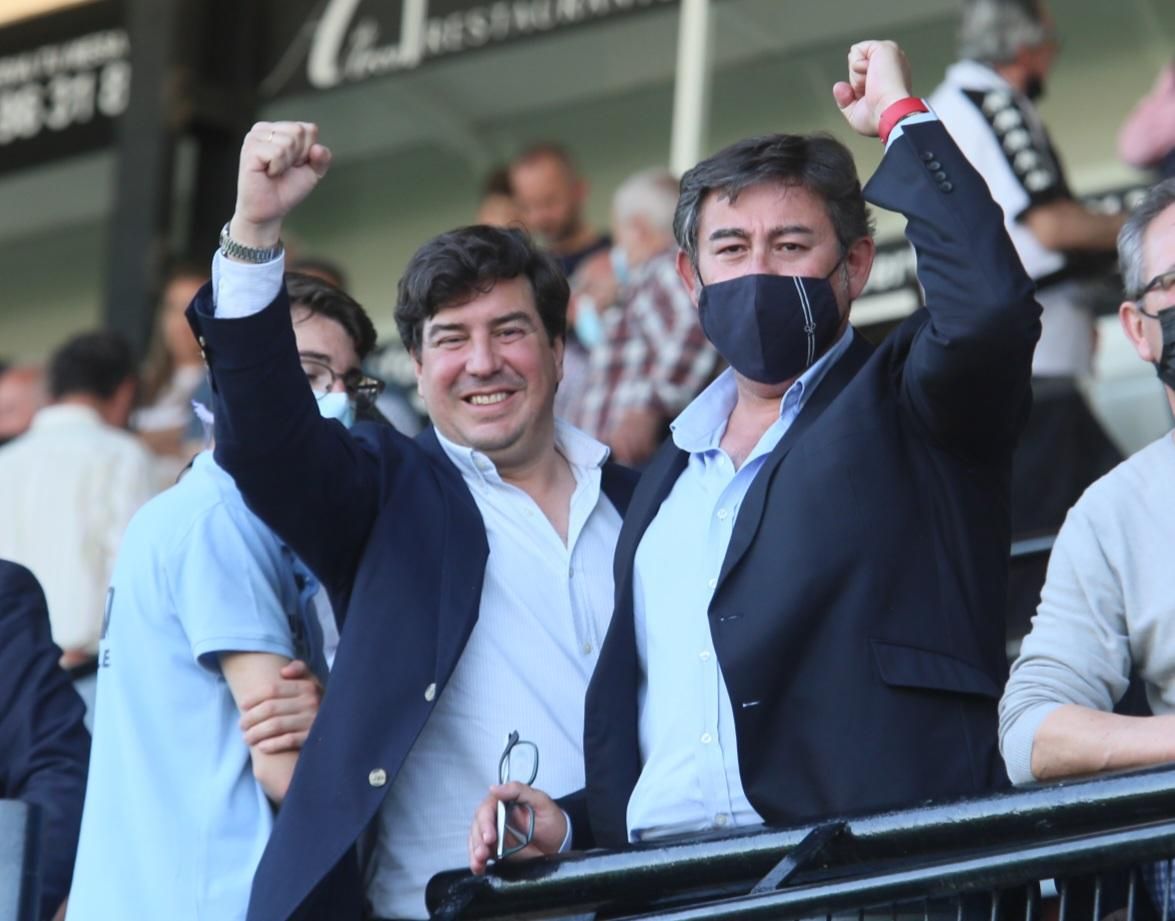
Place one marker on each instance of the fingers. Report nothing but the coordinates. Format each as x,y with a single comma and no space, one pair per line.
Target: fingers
296,668
299,720
276,147
483,835
843,94
287,742
280,690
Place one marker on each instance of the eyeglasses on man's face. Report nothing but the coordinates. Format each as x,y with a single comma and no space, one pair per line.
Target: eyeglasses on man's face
324,379
1164,282
519,761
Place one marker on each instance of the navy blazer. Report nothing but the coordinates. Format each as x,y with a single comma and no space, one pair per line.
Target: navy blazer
389,526
44,745
859,613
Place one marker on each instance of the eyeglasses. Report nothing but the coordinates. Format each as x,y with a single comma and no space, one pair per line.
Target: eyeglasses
519,760
323,378
1164,282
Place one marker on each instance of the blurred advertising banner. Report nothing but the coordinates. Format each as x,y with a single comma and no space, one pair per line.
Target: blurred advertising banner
64,78
333,43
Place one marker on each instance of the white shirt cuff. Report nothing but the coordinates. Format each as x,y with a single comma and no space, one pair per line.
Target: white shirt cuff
916,118
566,845
241,289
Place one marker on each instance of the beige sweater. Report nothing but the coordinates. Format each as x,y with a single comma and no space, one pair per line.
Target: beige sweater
1107,607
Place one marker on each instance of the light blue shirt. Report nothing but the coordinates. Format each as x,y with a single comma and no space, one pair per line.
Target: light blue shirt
690,779
174,822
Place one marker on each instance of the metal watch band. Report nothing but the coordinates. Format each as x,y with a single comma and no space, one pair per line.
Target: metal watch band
243,253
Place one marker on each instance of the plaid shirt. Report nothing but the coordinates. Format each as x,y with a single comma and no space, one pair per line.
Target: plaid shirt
653,356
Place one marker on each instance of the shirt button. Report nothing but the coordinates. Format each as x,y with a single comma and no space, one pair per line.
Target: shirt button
704,655
587,649
378,777
430,692
713,583
721,819
707,738
723,514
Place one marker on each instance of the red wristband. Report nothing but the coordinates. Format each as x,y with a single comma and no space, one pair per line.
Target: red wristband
896,112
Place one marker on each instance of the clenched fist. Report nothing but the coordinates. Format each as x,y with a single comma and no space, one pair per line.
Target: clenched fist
281,163
879,76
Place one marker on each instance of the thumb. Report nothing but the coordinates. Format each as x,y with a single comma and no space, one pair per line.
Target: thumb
295,669
843,94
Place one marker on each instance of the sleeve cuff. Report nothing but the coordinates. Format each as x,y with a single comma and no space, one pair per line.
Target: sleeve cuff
566,845
915,119
241,289
1016,743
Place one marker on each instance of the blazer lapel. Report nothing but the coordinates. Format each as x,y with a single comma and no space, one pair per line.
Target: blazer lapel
751,512
466,551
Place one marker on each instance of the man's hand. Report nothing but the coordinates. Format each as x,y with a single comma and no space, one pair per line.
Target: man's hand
278,717
281,163
550,824
879,75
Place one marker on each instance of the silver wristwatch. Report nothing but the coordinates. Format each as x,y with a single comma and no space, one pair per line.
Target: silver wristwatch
243,253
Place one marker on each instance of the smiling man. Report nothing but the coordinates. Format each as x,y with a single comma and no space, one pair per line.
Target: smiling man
472,566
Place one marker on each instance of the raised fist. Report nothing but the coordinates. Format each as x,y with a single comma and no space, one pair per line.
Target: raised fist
879,75
281,162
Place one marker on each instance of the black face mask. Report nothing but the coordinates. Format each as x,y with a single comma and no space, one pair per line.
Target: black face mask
1034,88
770,328
1165,366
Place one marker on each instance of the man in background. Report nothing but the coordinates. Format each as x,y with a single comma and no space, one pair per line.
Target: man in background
653,358
551,195
70,484
988,104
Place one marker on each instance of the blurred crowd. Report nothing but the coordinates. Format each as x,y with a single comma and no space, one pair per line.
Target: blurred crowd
90,436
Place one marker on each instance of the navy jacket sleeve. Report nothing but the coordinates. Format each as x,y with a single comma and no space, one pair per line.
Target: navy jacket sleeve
44,745
967,372
308,478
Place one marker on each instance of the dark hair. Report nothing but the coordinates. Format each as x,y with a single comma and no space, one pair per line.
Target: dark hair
817,162
461,264
324,299
95,363
323,268
497,183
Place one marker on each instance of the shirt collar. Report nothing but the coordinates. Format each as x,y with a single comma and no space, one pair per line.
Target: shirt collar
700,425
67,414
580,449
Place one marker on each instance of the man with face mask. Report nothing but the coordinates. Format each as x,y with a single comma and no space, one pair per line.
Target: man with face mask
988,103
810,578
206,612
1107,609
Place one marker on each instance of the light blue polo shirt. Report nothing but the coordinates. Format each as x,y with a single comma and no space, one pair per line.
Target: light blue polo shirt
174,822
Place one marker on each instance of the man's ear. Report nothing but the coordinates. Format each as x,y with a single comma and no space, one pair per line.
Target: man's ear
1132,324
688,276
858,264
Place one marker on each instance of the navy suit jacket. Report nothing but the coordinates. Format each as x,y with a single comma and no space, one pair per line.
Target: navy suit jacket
44,745
389,526
859,613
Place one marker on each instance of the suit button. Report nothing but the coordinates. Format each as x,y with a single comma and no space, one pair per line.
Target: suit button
933,165
927,155
430,692
378,777
946,186
940,176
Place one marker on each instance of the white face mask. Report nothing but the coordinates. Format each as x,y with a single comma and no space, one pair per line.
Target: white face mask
337,405
589,329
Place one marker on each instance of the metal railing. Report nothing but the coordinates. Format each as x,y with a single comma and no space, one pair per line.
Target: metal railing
977,859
